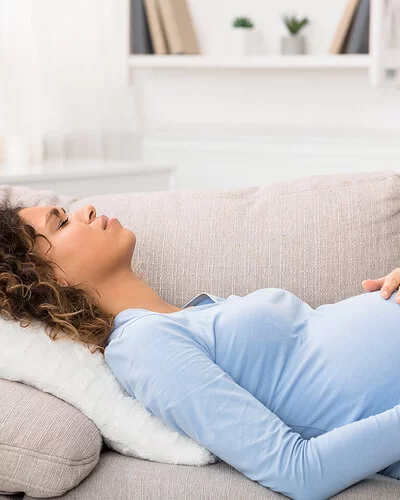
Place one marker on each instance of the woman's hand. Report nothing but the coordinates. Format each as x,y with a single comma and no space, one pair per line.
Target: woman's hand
387,284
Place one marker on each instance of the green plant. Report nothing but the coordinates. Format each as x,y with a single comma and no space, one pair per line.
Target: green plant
293,24
242,22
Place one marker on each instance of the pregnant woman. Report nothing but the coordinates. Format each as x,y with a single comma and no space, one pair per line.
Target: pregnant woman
304,401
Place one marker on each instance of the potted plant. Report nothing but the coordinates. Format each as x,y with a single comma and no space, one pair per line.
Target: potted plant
244,37
294,43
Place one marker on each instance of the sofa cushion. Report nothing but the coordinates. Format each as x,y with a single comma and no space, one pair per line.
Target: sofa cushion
46,445
119,477
316,236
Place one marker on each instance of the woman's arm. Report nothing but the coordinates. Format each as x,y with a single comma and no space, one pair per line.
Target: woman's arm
175,379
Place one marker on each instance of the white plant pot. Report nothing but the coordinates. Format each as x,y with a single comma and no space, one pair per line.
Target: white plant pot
244,42
293,45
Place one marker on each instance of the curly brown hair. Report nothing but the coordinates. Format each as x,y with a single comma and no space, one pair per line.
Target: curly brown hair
29,289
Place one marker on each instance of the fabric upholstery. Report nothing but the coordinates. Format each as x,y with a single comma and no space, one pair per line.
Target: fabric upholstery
316,236
46,445
121,478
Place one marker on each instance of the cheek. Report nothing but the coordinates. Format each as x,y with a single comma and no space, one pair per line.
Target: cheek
76,245
82,246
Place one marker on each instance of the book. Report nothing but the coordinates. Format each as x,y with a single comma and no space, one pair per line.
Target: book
357,40
139,36
341,32
156,27
178,27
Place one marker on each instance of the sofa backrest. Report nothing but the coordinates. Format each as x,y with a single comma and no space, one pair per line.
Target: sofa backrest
317,236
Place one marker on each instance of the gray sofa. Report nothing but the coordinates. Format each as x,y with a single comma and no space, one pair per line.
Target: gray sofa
317,237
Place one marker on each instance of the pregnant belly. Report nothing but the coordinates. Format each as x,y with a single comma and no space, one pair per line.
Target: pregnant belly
348,365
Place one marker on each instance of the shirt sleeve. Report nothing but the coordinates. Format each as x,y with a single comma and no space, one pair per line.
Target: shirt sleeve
175,379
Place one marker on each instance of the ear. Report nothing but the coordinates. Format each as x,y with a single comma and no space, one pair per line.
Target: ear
63,283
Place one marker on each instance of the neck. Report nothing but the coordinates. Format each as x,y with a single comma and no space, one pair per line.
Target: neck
124,290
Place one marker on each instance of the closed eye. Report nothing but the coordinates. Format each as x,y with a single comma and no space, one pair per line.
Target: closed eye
63,223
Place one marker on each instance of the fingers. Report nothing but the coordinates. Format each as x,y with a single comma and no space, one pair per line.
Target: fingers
373,285
390,284
387,284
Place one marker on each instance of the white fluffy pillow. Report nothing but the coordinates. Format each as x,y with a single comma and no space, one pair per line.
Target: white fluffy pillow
69,371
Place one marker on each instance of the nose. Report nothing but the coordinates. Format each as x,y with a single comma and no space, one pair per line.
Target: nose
86,214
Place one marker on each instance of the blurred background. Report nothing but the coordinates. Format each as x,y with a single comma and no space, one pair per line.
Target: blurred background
174,94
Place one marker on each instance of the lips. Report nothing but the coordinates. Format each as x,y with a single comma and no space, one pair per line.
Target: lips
110,221
104,220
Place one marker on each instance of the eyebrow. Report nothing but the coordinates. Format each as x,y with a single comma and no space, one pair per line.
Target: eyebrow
54,212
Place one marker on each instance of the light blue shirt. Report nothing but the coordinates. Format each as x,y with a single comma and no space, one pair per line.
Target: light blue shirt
305,401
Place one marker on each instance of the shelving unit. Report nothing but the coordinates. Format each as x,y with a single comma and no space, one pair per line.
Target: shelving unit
225,113
376,62
318,69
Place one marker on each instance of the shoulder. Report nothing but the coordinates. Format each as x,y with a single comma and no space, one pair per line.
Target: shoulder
142,340
154,331
159,323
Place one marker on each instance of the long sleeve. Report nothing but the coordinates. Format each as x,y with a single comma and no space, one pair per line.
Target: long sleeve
175,379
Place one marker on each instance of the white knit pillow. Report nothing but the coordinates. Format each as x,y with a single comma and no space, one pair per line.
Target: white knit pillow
69,371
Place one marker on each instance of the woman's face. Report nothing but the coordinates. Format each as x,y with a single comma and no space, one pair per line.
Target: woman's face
82,246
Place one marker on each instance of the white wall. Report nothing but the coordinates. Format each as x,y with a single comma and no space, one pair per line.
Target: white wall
63,66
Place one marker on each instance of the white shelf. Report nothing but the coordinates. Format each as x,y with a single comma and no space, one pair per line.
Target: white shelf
225,62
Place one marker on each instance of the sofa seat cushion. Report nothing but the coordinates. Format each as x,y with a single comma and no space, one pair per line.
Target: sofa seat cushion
119,476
